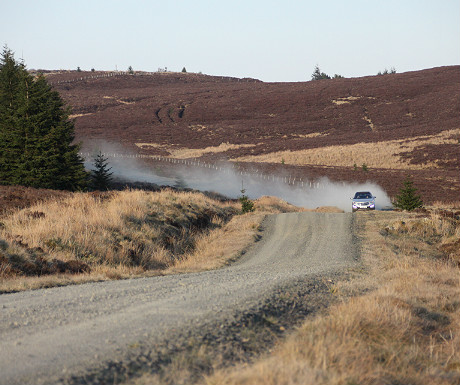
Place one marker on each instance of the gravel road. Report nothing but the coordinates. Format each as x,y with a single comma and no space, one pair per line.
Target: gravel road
53,334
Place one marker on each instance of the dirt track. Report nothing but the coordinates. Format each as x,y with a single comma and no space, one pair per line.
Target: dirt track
54,335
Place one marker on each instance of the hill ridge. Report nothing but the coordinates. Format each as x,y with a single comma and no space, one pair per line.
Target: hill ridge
169,114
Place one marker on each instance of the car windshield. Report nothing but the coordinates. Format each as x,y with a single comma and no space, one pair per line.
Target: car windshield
363,195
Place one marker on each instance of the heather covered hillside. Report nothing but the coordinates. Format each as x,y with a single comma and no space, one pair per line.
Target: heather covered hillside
395,124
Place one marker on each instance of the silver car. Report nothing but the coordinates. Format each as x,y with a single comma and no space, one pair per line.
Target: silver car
363,200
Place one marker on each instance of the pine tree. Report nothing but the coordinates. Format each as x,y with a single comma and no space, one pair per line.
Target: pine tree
247,205
11,135
318,75
36,135
408,198
100,175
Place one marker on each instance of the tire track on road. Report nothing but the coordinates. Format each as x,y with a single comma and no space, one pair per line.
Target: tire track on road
64,332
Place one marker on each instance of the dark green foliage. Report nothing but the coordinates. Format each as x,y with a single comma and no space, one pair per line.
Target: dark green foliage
247,205
184,70
386,72
130,70
36,134
318,75
180,183
364,167
408,199
100,175
11,102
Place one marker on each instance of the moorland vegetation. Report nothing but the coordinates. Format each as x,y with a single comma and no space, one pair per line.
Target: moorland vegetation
398,125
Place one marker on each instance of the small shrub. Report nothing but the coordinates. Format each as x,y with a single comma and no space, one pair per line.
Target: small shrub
54,244
364,167
408,199
247,205
101,175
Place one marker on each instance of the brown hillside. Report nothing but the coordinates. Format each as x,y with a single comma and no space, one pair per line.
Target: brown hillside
396,124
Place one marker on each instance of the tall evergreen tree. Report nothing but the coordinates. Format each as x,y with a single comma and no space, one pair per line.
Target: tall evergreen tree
11,135
36,134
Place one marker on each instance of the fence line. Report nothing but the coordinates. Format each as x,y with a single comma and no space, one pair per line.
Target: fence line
81,78
122,73
289,180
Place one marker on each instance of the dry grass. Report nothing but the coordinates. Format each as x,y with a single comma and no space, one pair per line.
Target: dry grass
385,154
405,331
312,135
80,115
446,205
117,235
188,153
113,235
349,99
118,100
270,204
220,246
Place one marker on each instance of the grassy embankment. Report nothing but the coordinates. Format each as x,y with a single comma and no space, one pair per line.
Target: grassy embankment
396,322
90,237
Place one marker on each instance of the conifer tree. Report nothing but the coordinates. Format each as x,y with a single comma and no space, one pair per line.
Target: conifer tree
36,135
247,205
318,75
11,135
408,199
100,175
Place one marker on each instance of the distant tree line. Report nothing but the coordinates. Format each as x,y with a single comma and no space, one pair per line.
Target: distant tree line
387,72
318,75
36,134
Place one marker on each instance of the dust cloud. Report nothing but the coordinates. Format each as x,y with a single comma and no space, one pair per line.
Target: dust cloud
229,181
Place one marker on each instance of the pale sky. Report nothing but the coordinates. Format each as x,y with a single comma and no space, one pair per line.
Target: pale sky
268,40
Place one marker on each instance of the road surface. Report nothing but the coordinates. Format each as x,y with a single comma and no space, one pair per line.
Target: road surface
50,334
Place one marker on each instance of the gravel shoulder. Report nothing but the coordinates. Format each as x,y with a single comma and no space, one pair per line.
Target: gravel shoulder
61,335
